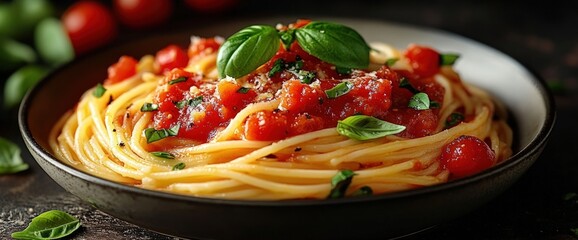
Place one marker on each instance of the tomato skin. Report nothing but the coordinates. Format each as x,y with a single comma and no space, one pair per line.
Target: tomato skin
467,155
172,56
121,70
424,61
139,14
89,25
266,126
211,6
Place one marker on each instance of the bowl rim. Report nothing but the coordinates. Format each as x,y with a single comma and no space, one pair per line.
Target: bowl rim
525,151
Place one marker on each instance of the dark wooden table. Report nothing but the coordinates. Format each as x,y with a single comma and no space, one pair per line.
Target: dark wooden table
541,205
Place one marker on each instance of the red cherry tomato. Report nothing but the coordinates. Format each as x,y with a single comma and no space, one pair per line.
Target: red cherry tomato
171,57
467,155
211,5
140,14
89,25
121,70
424,61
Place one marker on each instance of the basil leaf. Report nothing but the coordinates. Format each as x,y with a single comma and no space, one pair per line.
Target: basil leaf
243,90
390,62
52,224
404,83
448,59
434,104
19,82
363,191
305,76
196,101
340,182
182,104
334,43
153,135
339,90
342,70
163,155
277,67
99,91
454,119
179,166
10,159
419,101
361,127
177,80
149,107
287,37
246,50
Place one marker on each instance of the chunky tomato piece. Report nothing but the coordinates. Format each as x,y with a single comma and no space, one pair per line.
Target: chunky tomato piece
89,25
203,46
418,123
234,96
121,70
424,61
140,14
172,56
299,97
266,126
467,155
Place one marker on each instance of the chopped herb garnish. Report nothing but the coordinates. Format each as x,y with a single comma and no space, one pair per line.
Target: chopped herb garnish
419,101
182,104
149,107
434,104
99,91
447,59
153,135
177,80
404,83
454,119
342,70
339,90
363,191
243,90
361,127
163,155
340,182
390,62
179,166
196,101
305,76
277,67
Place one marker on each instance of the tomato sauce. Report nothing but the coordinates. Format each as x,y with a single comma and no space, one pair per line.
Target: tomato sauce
203,107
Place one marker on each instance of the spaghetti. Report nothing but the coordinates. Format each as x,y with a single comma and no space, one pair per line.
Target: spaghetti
269,134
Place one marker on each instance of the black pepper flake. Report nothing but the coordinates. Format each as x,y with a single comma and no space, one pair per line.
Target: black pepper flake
110,100
271,156
127,115
307,116
121,144
320,100
127,107
297,149
114,130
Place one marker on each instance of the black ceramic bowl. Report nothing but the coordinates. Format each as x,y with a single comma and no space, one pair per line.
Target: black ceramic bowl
380,216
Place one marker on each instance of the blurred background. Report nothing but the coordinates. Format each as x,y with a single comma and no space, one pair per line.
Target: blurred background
38,36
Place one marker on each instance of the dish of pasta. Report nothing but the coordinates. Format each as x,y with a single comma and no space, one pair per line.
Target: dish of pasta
307,110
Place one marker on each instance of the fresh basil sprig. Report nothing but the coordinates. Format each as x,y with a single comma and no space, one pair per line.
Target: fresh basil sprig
340,182
52,224
253,46
10,159
361,127
246,50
